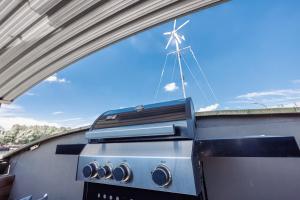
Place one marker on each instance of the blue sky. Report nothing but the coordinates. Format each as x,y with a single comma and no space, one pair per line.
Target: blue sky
249,51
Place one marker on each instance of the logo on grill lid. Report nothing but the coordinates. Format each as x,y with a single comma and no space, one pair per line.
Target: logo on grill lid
111,117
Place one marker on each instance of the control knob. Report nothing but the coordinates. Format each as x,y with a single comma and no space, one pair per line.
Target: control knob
90,170
105,172
161,176
122,173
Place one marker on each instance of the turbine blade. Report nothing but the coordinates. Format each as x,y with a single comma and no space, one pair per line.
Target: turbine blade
169,42
182,25
174,25
167,33
177,38
181,36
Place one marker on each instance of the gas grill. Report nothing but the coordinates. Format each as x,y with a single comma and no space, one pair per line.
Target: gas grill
147,148
154,152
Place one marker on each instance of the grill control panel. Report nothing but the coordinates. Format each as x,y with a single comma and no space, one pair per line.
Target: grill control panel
161,166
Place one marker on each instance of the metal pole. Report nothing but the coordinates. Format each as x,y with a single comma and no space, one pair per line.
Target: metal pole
180,68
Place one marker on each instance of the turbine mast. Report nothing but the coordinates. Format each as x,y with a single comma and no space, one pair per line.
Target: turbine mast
180,68
176,37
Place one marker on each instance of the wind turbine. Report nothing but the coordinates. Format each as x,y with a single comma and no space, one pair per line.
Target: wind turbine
176,37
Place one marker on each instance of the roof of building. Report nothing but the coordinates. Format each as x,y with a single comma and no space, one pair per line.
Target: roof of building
249,112
39,38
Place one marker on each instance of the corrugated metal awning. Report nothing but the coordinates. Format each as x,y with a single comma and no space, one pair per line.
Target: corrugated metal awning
40,37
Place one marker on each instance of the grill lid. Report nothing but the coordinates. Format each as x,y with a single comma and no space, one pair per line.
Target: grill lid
144,114
138,121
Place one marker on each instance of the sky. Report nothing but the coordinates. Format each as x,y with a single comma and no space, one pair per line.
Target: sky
248,51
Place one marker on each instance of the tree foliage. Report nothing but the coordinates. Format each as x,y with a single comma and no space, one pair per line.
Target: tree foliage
21,134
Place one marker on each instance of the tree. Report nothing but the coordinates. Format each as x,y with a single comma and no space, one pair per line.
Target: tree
1,130
21,134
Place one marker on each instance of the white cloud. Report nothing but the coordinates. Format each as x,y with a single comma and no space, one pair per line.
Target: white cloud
11,107
170,87
13,114
271,93
55,79
8,122
70,119
30,94
209,108
75,122
295,81
57,113
9,110
270,98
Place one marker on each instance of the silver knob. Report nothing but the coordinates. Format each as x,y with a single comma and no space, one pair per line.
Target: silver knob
105,172
90,170
161,176
122,173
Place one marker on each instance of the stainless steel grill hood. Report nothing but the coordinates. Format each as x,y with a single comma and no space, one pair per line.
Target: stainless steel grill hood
175,119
